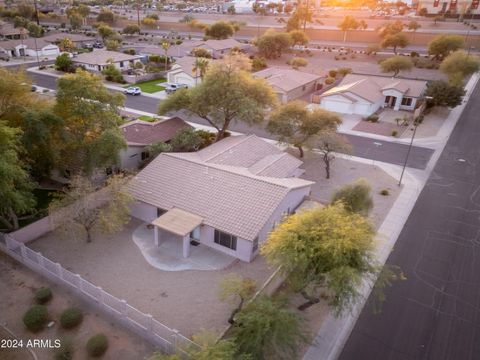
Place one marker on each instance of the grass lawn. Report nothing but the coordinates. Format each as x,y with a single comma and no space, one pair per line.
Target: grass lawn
147,118
149,86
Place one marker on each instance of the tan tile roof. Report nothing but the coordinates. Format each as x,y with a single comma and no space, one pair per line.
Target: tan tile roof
29,42
286,79
102,57
178,221
145,133
278,165
370,87
228,198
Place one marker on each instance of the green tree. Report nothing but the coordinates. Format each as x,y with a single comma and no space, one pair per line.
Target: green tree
298,37
441,93
272,44
324,249
236,290
396,64
220,30
64,63
356,197
297,62
113,74
186,140
293,123
200,67
105,31
106,16
348,23
75,20
131,29
390,28
398,40
81,208
328,143
91,116
66,44
441,46
35,30
226,94
201,53
231,10
459,65
413,26
267,329
15,184
298,20
112,45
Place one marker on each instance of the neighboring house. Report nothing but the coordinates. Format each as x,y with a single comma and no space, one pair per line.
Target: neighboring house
28,47
219,48
289,84
140,134
182,72
98,60
78,39
228,196
8,31
365,94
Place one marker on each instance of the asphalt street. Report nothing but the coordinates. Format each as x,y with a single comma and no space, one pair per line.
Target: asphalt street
393,153
435,313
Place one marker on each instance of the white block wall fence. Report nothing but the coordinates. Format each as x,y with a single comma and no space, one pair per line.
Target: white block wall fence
169,340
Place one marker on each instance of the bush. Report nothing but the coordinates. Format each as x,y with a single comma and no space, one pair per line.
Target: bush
372,118
332,73
329,80
113,74
414,54
35,318
297,62
258,64
97,345
355,197
394,133
43,295
344,71
71,317
384,192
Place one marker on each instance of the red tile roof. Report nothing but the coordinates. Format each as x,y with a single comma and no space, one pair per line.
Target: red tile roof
145,133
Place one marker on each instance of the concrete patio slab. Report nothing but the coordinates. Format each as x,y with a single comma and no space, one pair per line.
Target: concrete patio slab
168,256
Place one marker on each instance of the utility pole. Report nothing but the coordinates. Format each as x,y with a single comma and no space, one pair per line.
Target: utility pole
138,13
37,18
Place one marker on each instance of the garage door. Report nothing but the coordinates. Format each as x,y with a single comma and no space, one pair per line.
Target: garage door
184,79
336,106
49,51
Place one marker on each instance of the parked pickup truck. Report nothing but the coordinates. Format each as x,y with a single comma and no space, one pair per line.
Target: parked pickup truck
171,88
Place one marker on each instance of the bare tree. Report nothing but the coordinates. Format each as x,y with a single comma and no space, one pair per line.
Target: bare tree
328,143
82,208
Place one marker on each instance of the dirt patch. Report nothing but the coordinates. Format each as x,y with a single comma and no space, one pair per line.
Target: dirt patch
18,285
380,128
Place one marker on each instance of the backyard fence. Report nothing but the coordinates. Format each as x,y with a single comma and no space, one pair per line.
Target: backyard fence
169,340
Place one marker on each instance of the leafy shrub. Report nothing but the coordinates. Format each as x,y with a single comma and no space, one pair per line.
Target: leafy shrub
332,73
344,71
329,80
71,317
384,192
207,138
296,62
113,74
414,54
355,197
258,64
394,133
36,318
97,345
372,118
43,295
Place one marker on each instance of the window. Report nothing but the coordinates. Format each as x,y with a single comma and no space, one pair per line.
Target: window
121,64
225,239
407,101
145,155
255,245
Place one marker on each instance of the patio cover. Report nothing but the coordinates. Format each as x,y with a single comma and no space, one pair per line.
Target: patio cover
178,222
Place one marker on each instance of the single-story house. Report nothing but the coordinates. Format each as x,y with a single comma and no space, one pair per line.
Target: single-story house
140,134
98,60
78,39
182,72
28,47
8,31
227,196
219,48
289,84
365,94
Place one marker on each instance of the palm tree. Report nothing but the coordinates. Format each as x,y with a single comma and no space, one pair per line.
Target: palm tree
200,67
166,45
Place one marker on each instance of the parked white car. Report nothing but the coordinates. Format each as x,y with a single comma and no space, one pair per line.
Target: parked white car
132,90
174,87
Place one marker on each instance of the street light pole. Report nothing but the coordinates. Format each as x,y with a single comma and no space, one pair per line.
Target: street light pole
408,153
36,12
